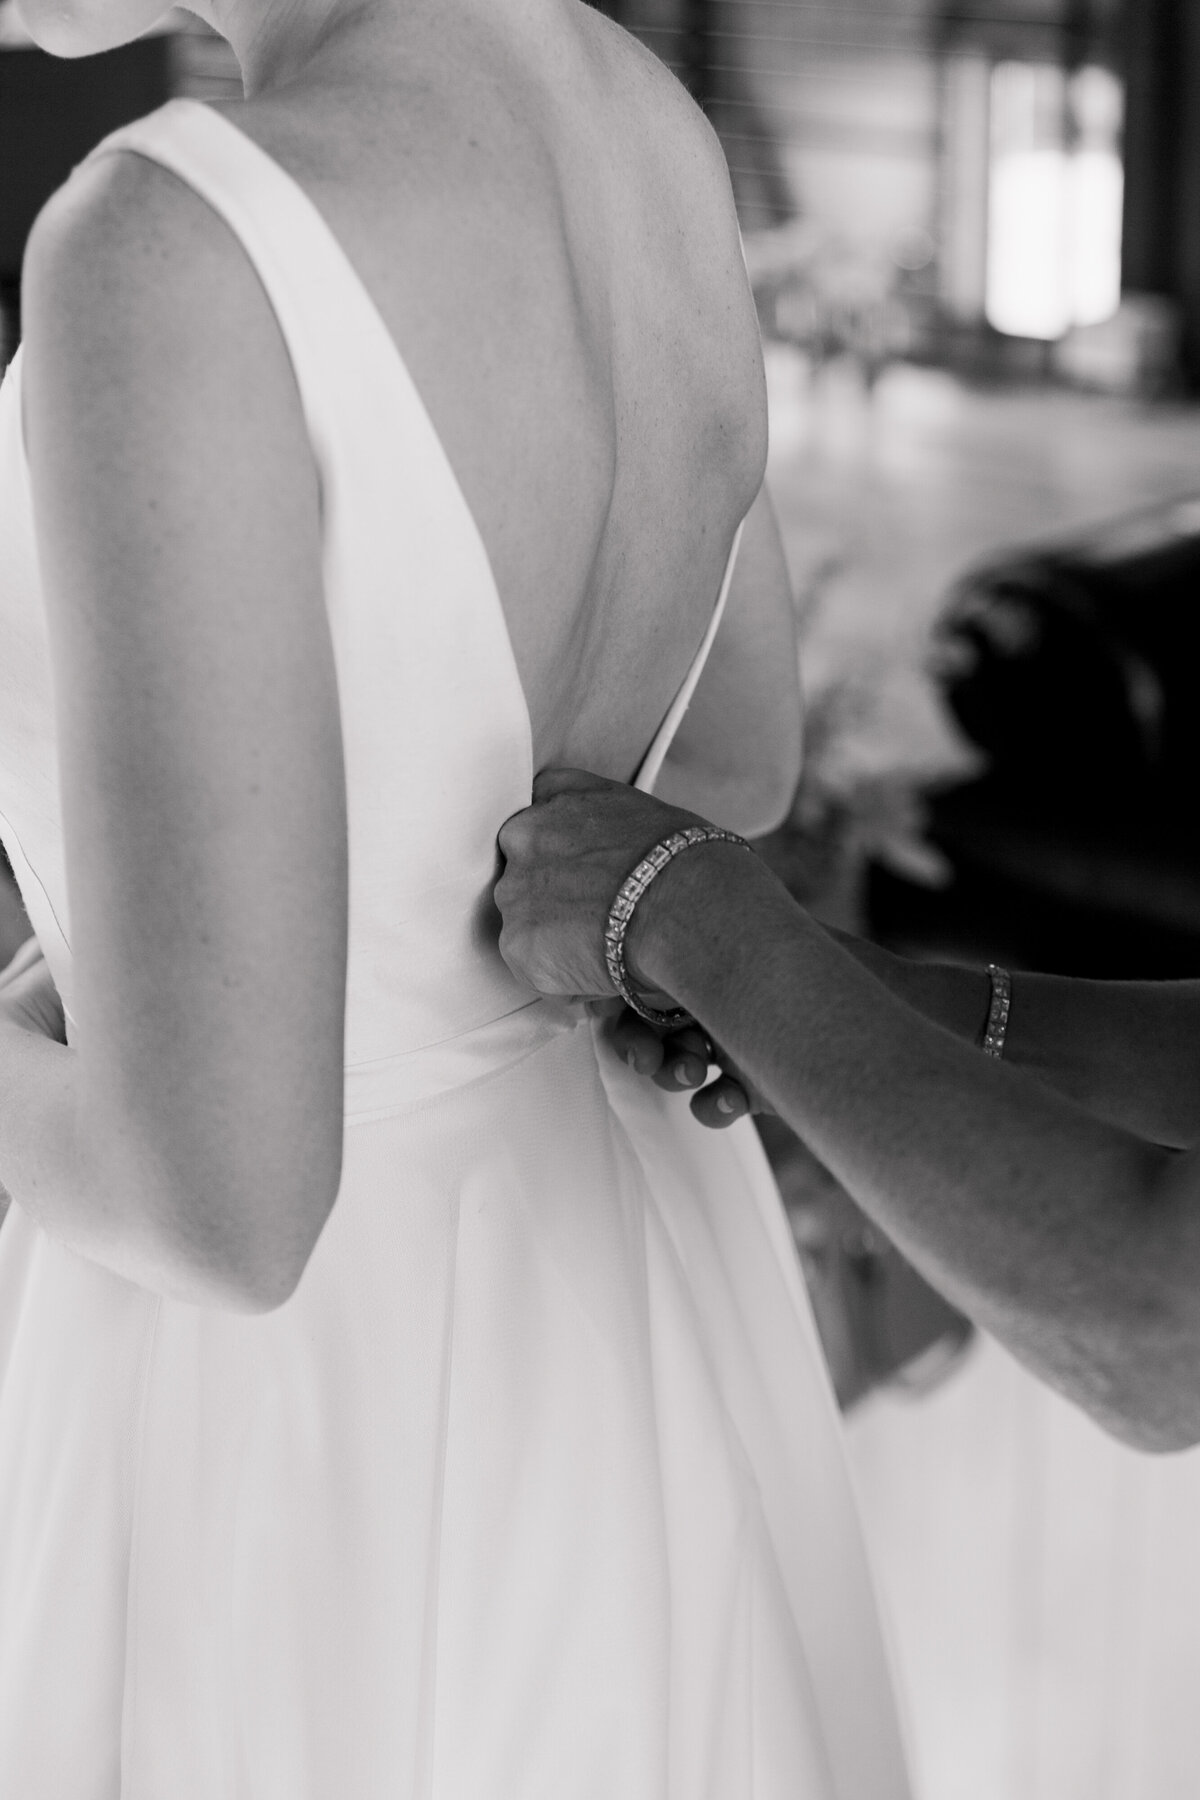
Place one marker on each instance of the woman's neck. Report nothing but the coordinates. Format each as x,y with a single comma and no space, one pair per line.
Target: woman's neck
280,42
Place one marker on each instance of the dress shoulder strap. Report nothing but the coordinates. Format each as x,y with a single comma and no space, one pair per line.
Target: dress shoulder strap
652,762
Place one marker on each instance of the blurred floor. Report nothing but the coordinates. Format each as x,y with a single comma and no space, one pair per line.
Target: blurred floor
1043,1582
1043,1585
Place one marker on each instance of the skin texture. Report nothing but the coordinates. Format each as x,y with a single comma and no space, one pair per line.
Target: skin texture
526,195
1054,1195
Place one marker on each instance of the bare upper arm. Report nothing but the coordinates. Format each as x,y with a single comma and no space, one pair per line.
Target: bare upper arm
177,515
736,756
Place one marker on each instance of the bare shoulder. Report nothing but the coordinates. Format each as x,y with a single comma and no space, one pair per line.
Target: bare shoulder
120,193
658,102
126,262
153,357
677,191
668,136
156,376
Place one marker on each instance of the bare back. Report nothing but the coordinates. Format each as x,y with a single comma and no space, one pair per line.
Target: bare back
547,232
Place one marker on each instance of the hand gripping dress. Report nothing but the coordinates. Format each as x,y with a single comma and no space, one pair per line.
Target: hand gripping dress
534,1489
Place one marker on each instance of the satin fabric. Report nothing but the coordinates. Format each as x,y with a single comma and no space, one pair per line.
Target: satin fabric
535,1486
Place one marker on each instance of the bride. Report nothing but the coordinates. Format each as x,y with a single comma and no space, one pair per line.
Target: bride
397,1398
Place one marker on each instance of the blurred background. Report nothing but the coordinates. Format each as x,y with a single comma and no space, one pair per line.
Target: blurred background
973,232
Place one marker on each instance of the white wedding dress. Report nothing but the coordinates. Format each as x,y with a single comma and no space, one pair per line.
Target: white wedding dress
534,1490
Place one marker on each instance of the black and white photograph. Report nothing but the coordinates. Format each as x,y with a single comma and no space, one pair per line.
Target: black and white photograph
599,900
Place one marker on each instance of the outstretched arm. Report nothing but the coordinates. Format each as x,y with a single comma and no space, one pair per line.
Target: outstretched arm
1076,1241
1126,1051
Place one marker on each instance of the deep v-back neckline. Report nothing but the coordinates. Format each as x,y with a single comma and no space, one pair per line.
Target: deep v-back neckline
393,357
339,258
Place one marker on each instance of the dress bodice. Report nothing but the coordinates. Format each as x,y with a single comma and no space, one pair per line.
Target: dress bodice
436,731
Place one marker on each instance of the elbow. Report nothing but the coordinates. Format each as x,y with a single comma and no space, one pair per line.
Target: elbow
254,1288
1135,1355
1144,1386
757,800
1154,1409
254,1279
770,807
1153,1429
751,790
219,1204
773,790
258,1271
236,1249
1157,1438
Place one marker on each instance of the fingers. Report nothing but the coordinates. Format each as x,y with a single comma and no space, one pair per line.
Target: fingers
685,1060
518,832
676,1061
514,835
673,1060
721,1103
636,1042
548,782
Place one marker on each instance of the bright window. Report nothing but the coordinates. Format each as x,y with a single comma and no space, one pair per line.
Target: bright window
1054,199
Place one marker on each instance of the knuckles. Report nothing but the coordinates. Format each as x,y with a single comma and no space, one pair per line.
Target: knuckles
514,836
549,782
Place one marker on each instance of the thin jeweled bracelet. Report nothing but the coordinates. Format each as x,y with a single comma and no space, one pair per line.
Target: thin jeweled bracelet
622,910
996,1028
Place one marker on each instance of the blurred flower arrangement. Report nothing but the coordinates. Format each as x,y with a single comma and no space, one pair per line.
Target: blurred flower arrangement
831,295
878,736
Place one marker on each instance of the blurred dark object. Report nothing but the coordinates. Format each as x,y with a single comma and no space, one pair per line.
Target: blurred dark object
52,112
10,321
1159,50
1074,668
880,1322
1134,352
